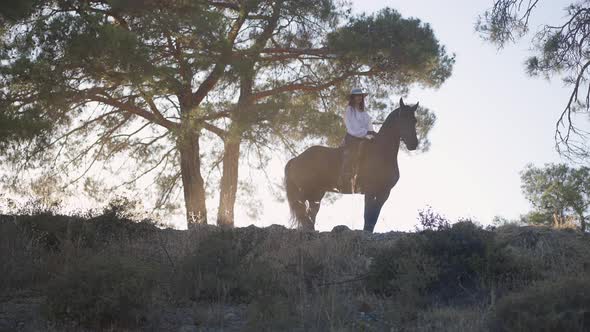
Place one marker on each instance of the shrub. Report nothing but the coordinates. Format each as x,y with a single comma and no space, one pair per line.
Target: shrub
444,264
271,313
22,264
462,253
450,319
431,220
458,264
226,266
112,228
102,290
555,252
559,305
402,267
50,232
211,271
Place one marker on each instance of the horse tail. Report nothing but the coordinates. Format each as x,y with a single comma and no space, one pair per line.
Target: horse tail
294,197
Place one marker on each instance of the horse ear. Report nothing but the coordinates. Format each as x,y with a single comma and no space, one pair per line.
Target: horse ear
415,107
401,102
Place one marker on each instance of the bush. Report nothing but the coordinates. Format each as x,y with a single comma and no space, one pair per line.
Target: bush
458,264
444,264
50,232
431,220
450,319
211,271
403,267
560,305
102,290
226,266
271,313
22,264
462,253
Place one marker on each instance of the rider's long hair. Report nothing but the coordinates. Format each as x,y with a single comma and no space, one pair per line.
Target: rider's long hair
361,106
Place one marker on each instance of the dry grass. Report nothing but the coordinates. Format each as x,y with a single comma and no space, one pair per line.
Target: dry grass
108,272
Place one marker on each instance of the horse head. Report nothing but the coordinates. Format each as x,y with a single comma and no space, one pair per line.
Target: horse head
403,122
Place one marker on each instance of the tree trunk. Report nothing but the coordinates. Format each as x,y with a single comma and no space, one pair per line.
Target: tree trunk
192,181
556,219
231,154
229,182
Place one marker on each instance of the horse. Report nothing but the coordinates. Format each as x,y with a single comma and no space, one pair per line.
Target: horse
315,171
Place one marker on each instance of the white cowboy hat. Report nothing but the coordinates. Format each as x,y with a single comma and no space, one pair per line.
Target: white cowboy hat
358,91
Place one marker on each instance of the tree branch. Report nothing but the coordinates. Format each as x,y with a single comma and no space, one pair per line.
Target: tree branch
166,193
136,110
568,110
153,107
299,51
216,130
219,68
224,5
149,170
101,140
308,87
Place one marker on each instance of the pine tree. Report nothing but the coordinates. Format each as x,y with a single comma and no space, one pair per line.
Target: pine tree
557,192
149,79
560,49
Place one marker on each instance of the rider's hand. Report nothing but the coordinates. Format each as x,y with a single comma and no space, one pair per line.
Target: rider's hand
369,136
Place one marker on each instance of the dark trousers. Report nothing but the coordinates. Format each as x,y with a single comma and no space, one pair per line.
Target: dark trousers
350,157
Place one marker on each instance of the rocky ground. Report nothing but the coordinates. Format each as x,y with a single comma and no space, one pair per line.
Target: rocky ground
107,273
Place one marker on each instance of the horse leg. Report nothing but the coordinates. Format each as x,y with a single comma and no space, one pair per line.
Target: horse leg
373,205
303,217
314,205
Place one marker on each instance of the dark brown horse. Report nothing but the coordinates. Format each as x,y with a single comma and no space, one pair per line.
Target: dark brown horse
315,171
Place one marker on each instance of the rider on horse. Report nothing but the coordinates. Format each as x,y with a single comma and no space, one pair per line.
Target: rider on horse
359,127
310,175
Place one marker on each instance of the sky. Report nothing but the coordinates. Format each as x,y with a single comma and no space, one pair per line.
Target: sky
493,119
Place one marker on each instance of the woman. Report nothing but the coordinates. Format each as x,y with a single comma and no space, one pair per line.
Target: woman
359,126
358,122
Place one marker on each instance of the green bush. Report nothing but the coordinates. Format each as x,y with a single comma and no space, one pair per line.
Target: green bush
402,267
559,305
443,263
102,290
458,264
462,255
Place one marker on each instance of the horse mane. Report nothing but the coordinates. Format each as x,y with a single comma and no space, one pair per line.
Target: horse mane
391,118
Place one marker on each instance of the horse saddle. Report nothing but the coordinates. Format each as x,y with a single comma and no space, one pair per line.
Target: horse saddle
350,180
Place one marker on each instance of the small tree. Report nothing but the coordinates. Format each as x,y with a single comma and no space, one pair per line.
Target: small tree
581,203
557,192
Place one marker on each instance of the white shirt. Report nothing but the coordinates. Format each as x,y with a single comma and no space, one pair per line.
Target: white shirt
357,123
